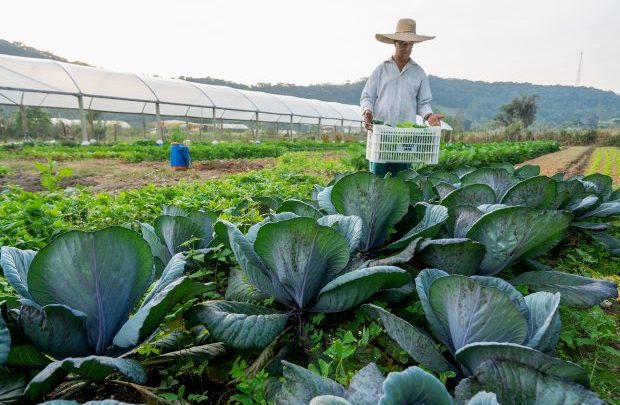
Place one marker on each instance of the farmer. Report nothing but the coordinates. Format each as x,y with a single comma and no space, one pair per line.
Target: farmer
398,90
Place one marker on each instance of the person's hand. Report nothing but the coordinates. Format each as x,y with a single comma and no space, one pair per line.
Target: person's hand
434,119
368,119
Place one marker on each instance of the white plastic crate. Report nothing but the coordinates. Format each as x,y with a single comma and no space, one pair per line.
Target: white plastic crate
403,145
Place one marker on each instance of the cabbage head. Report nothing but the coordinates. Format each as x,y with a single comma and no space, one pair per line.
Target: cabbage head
302,265
84,301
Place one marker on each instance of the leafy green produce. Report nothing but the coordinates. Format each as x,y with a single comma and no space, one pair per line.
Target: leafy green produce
368,387
515,383
409,124
82,295
178,231
301,274
302,265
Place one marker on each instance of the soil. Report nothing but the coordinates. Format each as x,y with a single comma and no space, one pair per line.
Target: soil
113,176
571,161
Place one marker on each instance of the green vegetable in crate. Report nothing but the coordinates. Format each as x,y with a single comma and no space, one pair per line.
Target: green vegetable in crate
409,124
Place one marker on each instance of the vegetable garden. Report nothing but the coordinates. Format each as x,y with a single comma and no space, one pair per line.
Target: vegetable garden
311,282
606,160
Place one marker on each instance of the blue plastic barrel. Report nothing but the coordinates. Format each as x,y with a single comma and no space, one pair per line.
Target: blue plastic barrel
179,156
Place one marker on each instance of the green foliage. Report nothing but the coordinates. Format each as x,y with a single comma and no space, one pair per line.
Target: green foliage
514,130
177,135
521,109
339,344
29,220
459,154
590,337
139,152
51,175
251,390
39,123
452,155
409,124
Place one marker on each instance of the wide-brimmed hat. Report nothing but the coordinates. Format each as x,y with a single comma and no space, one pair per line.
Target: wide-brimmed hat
405,31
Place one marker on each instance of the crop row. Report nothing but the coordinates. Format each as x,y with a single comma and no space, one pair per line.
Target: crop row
606,160
28,220
140,152
358,242
451,155
458,154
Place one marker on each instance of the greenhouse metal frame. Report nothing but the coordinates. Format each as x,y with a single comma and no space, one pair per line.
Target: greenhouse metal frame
52,84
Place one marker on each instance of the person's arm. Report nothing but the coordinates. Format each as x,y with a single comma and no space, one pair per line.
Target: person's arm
424,98
424,108
368,98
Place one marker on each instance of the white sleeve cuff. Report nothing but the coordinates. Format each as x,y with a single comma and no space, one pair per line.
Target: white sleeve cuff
424,110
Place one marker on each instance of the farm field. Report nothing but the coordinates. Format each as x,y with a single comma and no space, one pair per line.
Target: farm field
114,175
606,160
211,330
148,151
121,167
571,161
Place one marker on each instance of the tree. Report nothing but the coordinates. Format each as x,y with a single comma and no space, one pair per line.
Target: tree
458,122
520,109
38,121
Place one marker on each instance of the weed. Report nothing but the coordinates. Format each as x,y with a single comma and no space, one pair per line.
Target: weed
590,338
51,175
251,390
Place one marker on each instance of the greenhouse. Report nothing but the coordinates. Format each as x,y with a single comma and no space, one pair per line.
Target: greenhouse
26,82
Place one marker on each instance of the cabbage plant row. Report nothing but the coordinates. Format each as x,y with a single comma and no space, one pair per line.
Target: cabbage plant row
89,299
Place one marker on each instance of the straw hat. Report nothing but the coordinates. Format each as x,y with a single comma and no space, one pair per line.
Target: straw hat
405,31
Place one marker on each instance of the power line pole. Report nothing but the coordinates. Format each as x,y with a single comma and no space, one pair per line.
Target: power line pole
578,81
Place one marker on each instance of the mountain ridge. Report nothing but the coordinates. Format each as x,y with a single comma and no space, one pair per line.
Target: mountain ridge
21,49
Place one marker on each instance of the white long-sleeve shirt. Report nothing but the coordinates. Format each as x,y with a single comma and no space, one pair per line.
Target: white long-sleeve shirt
394,96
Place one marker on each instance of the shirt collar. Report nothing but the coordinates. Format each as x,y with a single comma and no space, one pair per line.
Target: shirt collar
410,63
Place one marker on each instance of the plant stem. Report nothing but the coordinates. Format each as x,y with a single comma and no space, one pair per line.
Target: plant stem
145,391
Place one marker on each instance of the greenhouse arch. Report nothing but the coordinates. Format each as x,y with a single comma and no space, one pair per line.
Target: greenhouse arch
46,83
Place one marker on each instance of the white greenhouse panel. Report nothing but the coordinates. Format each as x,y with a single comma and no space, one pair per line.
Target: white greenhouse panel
227,97
99,82
46,83
173,91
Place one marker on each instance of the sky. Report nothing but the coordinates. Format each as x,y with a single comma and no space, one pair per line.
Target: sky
328,41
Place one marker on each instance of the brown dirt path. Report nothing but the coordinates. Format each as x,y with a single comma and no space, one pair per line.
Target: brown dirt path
111,175
572,161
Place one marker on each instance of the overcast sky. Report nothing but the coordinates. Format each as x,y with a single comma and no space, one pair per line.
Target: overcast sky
320,41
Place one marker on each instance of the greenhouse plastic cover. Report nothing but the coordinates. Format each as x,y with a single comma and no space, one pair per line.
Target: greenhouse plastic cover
47,83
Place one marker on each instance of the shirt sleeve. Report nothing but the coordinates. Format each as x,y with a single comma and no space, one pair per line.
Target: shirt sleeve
369,94
424,98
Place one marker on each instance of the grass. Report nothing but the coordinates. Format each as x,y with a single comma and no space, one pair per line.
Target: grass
591,337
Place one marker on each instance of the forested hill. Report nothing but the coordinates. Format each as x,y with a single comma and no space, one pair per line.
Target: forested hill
480,101
475,101
20,49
